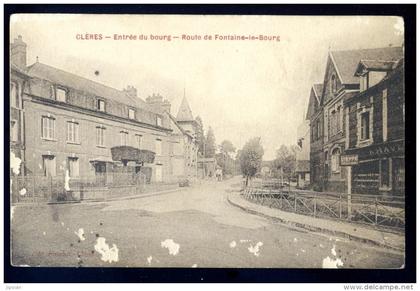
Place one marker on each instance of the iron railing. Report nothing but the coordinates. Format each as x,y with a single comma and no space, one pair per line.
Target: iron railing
366,209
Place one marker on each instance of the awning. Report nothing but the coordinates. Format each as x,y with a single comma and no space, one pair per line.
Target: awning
101,159
127,153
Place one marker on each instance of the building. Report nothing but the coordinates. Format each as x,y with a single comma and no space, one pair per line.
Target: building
375,127
328,132
316,124
73,125
18,81
189,127
303,155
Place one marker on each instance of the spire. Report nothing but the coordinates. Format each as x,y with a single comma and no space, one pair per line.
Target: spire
184,113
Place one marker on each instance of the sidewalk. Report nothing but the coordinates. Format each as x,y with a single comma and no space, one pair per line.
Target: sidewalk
338,228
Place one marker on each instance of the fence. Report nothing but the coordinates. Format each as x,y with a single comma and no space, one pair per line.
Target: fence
366,209
52,189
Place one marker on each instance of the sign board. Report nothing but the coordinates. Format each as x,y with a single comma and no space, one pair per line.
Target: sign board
349,160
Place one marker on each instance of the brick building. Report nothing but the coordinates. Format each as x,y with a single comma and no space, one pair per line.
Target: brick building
327,116
72,124
376,123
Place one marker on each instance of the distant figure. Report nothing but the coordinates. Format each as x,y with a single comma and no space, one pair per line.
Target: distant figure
219,174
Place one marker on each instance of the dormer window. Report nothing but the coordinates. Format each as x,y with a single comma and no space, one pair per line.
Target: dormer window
100,105
159,121
364,82
60,94
131,113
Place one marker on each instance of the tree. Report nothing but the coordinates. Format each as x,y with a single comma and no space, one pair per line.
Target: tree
210,144
200,135
224,159
227,147
251,157
285,161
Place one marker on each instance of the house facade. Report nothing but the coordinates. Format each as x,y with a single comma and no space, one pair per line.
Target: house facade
376,123
303,155
328,117
71,124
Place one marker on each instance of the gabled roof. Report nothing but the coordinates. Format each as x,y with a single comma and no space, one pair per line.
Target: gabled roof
346,61
374,65
15,68
314,98
70,80
318,90
184,113
177,125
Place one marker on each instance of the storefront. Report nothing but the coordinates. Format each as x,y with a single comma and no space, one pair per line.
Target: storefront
380,169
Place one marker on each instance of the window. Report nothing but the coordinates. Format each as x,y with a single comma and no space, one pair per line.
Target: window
333,84
158,147
138,141
385,178
60,94
365,123
72,132
363,82
100,168
73,167
48,127
124,138
131,113
13,131
14,95
318,130
158,121
100,105
385,115
49,166
335,161
100,136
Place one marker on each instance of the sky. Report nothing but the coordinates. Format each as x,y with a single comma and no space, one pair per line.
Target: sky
242,89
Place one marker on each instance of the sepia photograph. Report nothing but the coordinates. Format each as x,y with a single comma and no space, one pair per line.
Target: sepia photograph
207,141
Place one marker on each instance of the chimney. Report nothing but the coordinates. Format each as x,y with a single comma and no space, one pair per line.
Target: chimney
18,53
131,91
158,104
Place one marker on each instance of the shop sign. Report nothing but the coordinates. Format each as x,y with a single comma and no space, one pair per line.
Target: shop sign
349,160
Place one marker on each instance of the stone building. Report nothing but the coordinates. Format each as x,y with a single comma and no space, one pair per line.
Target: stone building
72,124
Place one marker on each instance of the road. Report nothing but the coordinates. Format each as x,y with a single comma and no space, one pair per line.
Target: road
194,227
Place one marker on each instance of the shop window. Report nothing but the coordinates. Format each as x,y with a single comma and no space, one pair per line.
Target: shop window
73,167
49,166
385,172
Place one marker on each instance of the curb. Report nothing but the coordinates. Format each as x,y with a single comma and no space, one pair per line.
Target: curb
84,202
294,224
